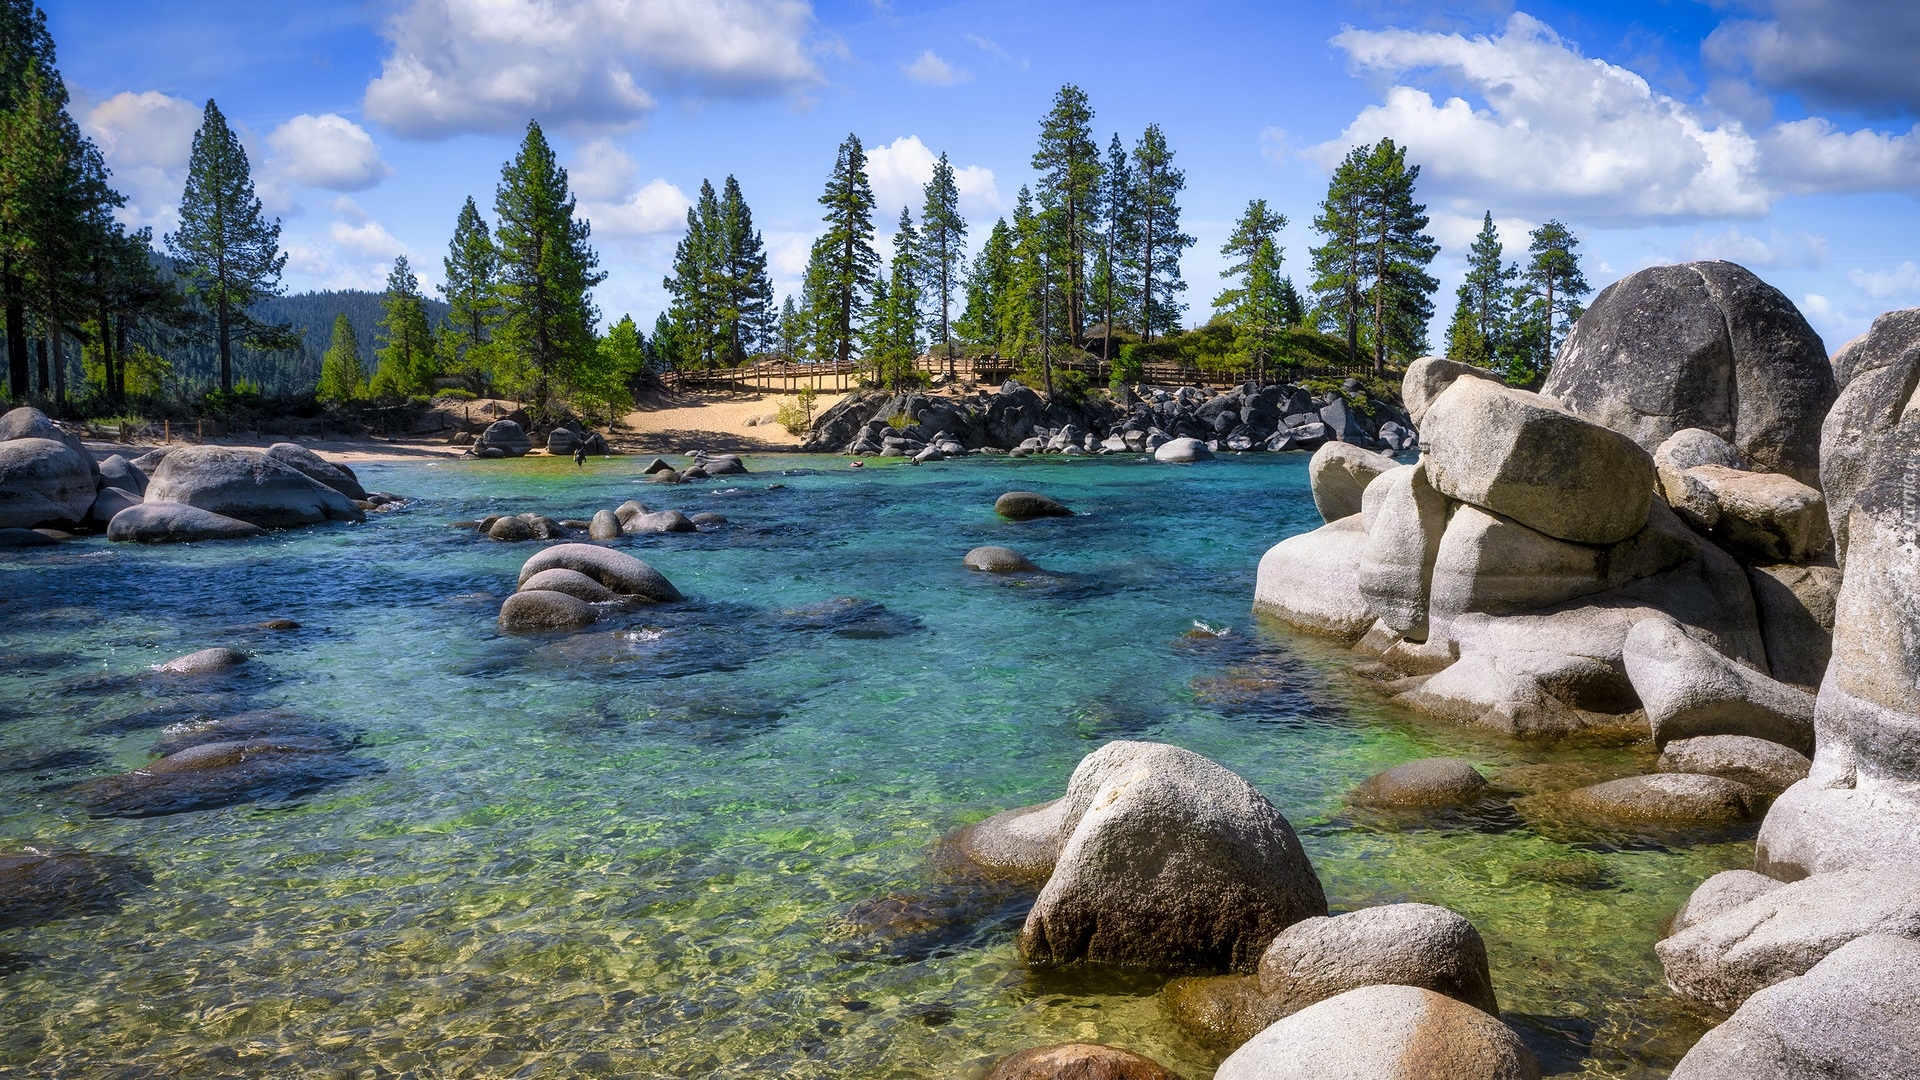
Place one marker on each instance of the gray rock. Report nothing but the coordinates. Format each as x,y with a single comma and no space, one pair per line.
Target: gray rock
998,560
1407,521
628,510
1312,581
25,538
118,472
176,523
1690,497
1426,783
505,436
1660,801
108,502
1700,345
1396,944
510,529
542,609
659,521
249,486
1339,475
1523,456
572,582
43,482
27,422
1344,424
1795,607
204,662
1384,1033
1723,959
1767,767
1428,376
1720,894
707,518
1852,1017
218,774
617,570
42,886
1078,1061
151,460
338,477
723,465
1027,505
1766,516
1183,451
1690,690
1022,843
657,465
562,441
1176,862
604,526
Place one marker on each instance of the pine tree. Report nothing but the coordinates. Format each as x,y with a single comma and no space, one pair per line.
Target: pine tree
1337,280
342,376
623,358
1488,289
471,266
695,309
1465,342
1291,304
663,348
547,272
944,238
24,44
127,291
1117,278
790,330
1257,225
979,321
892,342
744,295
229,254
844,262
1156,194
1068,161
1020,287
1373,265
406,341
1547,299
1261,308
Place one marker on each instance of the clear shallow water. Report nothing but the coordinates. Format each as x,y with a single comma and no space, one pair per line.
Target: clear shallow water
648,849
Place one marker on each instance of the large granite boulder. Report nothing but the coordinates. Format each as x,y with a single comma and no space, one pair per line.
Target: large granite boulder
338,477
1689,690
1766,516
1700,345
1398,944
616,570
1312,581
1079,1061
1339,474
117,472
1522,456
107,503
1861,804
1795,607
1175,862
1181,451
249,486
1723,959
176,523
505,436
1384,1033
1851,1017
1428,376
43,482
532,610
572,582
1028,505
1767,767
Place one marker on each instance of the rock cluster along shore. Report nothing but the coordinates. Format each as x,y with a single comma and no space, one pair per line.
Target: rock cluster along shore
50,487
1193,421
509,438
1701,532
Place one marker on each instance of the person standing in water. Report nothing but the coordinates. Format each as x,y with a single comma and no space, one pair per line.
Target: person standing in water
580,453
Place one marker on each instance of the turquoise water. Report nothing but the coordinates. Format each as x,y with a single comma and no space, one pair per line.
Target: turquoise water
650,849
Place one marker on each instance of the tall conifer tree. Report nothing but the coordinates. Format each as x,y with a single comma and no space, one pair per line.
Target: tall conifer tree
1117,277
1257,225
547,273
745,293
986,286
843,257
1547,300
24,44
944,239
406,349
228,252
342,376
1156,203
471,267
1068,161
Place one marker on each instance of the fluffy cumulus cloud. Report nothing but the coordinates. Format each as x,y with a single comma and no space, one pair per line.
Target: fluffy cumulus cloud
1778,250
604,176
326,151
146,139
899,172
1535,125
929,68
490,65
1856,53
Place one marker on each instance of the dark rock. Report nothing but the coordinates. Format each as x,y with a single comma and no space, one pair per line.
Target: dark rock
219,774
43,482
25,538
708,519
1027,505
1078,1061
505,436
1429,782
542,609
338,477
176,523
41,886
118,472
248,486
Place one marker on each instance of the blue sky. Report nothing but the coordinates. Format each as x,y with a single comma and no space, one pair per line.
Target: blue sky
1776,133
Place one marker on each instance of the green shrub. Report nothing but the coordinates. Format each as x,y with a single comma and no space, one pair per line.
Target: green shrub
455,395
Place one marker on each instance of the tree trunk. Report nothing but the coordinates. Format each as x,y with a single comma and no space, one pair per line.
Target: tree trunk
120,366
226,348
1146,267
1548,358
1046,355
19,377
40,354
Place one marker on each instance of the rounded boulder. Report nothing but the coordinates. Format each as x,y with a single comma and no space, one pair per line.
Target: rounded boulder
1028,505
249,486
544,609
1427,783
1079,1061
176,523
571,582
998,560
1384,1033
617,570
43,482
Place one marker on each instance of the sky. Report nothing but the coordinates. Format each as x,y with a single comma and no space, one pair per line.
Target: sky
1779,134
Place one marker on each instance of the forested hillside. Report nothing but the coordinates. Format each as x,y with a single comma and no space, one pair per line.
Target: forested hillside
293,371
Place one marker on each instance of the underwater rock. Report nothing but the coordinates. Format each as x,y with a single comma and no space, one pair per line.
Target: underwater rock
219,774
203,662
998,560
1429,782
39,886
1660,801
1028,505
1078,1061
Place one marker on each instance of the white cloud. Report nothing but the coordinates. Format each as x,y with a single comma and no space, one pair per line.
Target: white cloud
1554,132
146,139
602,172
1276,145
899,172
1799,250
490,65
930,69
1902,280
604,175
326,151
368,239
1854,52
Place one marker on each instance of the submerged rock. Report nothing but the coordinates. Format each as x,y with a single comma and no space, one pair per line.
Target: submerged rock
659,521
998,560
220,774
204,662
1021,843
1427,783
1660,801
41,886
1027,505
1078,1061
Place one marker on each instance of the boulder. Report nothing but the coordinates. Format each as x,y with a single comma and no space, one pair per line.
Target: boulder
1689,690
1523,456
605,526
617,570
562,441
213,775
1700,345
43,482
1689,496
1176,862
1404,530
1765,516
1021,843
998,560
1795,607
1423,784
27,422
706,518
1078,1061
657,465
338,477
1719,894
1766,767
249,486
42,886
1851,1017
505,436
1027,505
118,472
151,460
24,538
1428,376
1339,473
723,465
572,582
1661,801
1220,1012
544,609
1384,1033
659,521
1723,959
1345,424
204,662
107,502
176,523
1183,450
1312,581
510,529
628,510
1396,944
